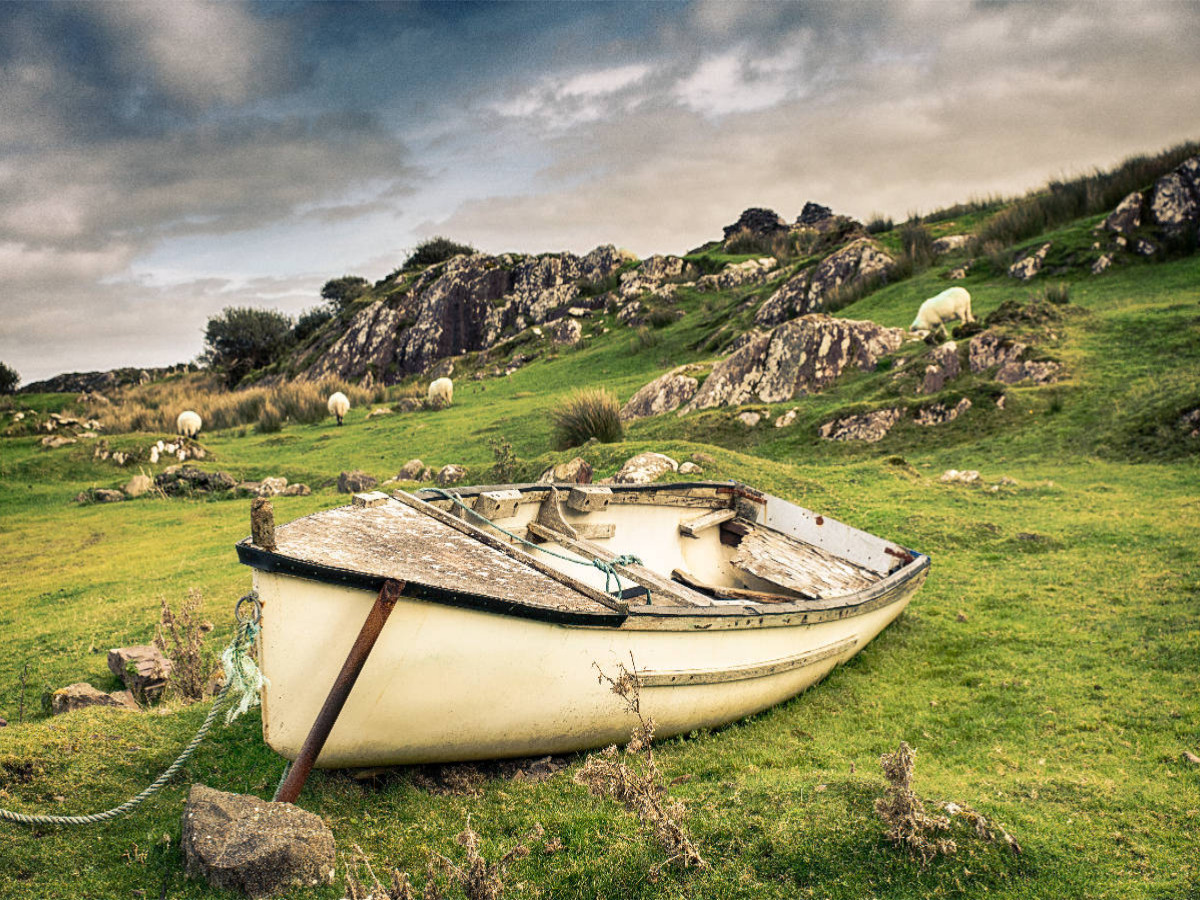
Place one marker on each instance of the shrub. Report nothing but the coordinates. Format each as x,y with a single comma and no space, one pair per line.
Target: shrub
435,250
644,338
586,414
1058,294
180,636
9,379
310,320
341,292
242,339
506,462
879,224
917,243
270,420
661,318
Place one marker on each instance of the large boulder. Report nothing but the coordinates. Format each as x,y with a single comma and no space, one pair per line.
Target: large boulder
1173,202
859,260
790,300
664,394
81,695
950,243
802,356
645,468
355,482
237,842
410,471
1127,216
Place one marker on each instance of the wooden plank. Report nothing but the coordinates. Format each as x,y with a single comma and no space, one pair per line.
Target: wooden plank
662,590
595,531
503,546
589,498
731,593
693,526
799,566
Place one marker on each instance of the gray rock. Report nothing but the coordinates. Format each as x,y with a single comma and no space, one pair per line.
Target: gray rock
954,476
567,332
664,394
441,369
269,487
175,480
960,273
138,485
1102,264
786,420
450,474
752,271
142,668
410,471
989,348
645,468
749,419
296,490
1127,216
630,313
950,243
1037,372
802,356
54,441
240,843
790,300
1173,203
82,695
1143,247
690,468
858,260
355,482
575,471
939,413
869,427
379,412
943,367
103,495
1030,264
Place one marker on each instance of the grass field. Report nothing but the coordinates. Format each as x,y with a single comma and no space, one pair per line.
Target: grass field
1046,673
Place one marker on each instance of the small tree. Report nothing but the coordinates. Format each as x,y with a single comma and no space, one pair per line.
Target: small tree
242,339
9,379
435,250
341,292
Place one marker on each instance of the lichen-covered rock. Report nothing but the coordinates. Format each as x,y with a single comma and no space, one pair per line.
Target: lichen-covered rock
749,418
752,271
567,332
802,356
176,480
858,260
869,427
451,473
81,695
1038,372
143,669
237,842
943,367
355,482
786,419
790,300
1174,202
645,468
690,468
1030,264
662,268
939,413
1127,216
105,495
631,312
950,243
296,490
1102,264
575,471
664,394
989,348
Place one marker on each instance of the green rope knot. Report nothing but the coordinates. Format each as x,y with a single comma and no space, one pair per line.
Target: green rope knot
610,571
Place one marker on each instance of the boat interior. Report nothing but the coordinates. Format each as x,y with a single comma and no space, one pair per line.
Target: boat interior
690,545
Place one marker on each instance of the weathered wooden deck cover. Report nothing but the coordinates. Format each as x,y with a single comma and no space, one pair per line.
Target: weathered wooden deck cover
393,540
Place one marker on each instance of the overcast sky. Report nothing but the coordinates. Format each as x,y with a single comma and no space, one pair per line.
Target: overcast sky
161,161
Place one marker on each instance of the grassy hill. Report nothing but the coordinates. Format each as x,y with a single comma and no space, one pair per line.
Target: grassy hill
1046,673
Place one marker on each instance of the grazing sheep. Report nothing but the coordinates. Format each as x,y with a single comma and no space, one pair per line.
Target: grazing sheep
952,303
339,405
441,393
188,424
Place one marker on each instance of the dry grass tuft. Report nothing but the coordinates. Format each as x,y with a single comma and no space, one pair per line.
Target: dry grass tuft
632,777
911,827
180,636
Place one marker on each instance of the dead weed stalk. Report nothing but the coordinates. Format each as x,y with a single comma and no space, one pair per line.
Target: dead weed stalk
910,826
632,778
180,636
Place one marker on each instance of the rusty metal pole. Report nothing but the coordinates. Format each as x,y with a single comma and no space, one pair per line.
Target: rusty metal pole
290,789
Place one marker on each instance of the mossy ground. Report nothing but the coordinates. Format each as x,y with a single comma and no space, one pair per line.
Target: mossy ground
1059,702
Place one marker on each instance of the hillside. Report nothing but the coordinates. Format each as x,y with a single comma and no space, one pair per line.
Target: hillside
1046,672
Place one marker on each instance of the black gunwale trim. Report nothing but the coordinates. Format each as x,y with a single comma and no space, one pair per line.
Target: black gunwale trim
267,561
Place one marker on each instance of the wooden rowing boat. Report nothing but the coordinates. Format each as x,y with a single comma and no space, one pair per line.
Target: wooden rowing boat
516,597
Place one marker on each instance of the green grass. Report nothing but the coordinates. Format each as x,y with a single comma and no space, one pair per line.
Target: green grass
1060,706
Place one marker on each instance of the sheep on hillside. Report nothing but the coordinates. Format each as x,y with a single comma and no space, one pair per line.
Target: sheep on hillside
441,393
188,424
339,405
952,303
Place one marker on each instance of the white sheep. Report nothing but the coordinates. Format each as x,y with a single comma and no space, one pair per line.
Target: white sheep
441,393
952,303
339,405
188,424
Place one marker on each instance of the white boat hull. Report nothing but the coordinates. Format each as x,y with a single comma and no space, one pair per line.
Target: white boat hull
446,683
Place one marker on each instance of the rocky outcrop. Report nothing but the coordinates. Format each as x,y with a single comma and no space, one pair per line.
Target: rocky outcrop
990,348
1037,372
238,842
1030,264
813,214
567,332
950,243
790,300
940,413
858,260
869,427
90,382
176,480
463,305
644,468
664,394
1127,216
757,221
802,356
651,276
752,271
1175,200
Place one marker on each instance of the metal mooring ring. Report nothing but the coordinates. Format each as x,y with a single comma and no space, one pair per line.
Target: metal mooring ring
255,611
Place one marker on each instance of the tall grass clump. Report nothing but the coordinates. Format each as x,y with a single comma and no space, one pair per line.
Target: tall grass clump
586,414
879,224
